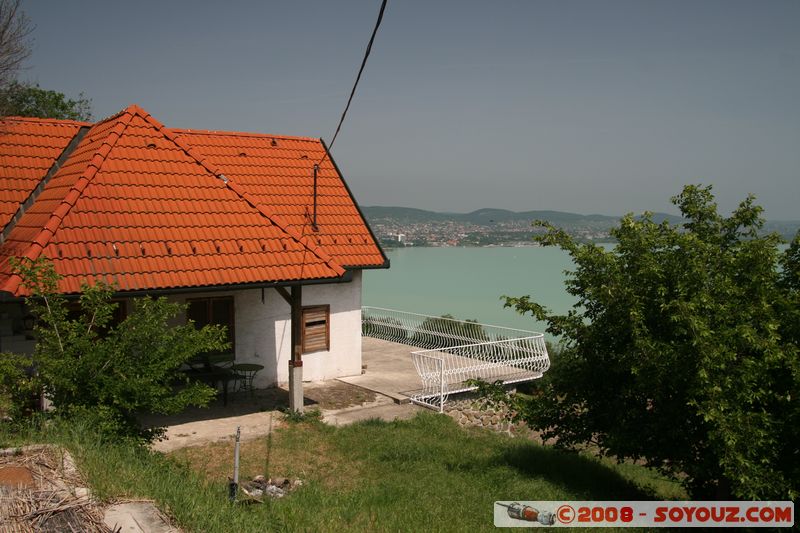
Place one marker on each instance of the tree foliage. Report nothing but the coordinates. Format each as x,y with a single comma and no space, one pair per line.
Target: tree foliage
29,100
87,365
682,351
19,386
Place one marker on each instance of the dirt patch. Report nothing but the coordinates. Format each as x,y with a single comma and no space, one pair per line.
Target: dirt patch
16,477
41,490
337,395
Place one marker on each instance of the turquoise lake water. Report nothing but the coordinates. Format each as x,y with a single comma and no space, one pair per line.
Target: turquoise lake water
468,282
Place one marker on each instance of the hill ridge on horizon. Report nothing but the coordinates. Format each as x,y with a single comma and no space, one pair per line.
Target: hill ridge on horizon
493,226
488,215
499,214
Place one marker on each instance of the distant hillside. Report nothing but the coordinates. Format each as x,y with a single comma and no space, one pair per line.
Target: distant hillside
486,217
501,227
405,214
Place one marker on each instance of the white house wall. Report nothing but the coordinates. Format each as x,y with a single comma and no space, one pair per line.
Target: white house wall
263,331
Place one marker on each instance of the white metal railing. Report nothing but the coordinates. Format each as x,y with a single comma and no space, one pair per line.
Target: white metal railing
456,351
426,331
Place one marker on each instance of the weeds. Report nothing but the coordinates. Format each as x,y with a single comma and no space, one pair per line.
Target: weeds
297,417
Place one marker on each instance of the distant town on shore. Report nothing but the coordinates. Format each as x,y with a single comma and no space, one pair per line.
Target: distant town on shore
406,226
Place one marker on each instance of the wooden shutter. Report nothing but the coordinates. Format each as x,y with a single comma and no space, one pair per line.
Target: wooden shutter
316,328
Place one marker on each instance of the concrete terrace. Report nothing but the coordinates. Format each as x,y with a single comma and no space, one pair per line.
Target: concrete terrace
388,370
380,392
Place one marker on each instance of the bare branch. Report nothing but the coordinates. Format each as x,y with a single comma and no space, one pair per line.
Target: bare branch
15,31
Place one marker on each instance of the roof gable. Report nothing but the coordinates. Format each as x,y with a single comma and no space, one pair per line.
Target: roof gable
135,206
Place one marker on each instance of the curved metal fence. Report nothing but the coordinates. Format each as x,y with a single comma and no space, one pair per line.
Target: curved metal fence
456,351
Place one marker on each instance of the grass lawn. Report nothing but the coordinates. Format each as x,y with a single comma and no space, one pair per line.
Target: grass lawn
425,474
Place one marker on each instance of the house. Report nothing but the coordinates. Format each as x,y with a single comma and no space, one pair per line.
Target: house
233,224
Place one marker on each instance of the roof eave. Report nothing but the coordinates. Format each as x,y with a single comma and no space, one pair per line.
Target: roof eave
344,278
385,263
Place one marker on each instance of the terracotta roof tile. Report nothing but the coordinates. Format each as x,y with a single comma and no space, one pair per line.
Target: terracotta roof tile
281,179
28,148
153,208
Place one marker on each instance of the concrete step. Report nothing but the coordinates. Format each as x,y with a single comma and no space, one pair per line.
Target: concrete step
137,517
387,411
379,388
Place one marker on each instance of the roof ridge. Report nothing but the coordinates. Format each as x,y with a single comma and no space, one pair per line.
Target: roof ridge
205,163
59,121
246,134
42,239
129,109
283,225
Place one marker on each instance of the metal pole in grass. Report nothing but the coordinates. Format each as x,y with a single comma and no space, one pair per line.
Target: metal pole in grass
269,448
233,487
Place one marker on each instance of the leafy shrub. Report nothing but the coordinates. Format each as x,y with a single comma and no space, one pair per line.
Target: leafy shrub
87,365
682,350
19,386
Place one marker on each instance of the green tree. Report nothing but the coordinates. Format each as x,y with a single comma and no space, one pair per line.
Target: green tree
114,373
29,100
682,351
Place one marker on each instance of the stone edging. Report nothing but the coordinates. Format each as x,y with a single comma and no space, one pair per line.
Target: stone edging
466,410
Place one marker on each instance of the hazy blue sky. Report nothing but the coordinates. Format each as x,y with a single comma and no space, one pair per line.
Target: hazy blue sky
591,106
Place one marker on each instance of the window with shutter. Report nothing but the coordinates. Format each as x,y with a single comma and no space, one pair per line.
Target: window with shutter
316,328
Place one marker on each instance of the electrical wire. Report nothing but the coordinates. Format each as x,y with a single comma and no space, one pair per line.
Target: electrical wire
358,78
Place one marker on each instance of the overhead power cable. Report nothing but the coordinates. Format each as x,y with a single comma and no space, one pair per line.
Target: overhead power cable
360,71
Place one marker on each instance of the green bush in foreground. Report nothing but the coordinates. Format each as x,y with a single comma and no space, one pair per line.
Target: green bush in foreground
682,350
110,373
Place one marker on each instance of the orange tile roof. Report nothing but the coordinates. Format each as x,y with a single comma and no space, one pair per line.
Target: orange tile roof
278,172
28,148
146,208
